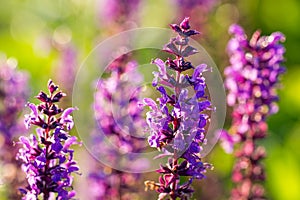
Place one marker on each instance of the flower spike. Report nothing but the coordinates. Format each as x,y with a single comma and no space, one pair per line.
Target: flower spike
46,156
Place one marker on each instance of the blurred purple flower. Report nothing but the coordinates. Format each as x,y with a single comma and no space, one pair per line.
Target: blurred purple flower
118,119
14,92
177,123
47,157
252,80
197,9
228,141
118,12
190,4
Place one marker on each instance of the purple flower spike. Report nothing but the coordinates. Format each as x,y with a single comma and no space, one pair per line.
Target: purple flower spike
252,80
14,92
119,120
177,122
47,157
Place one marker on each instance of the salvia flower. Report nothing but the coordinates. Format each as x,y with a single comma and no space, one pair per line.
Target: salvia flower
252,80
118,119
178,119
14,92
46,156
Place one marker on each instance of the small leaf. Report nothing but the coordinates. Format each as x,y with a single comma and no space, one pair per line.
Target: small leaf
188,51
170,47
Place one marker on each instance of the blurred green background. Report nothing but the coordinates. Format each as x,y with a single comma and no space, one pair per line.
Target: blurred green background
36,33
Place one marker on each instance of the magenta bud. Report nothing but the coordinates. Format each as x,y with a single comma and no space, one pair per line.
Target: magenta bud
185,24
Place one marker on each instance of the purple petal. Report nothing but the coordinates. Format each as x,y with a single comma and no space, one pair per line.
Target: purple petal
73,169
275,37
149,102
203,105
41,161
33,109
57,146
179,143
70,141
56,177
199,70
161,66
236,30
25,141
153,141
202,121
155,79
67,112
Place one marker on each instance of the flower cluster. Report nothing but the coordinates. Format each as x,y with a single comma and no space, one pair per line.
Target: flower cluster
177,123
251,80
47,157
119,120
13,95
